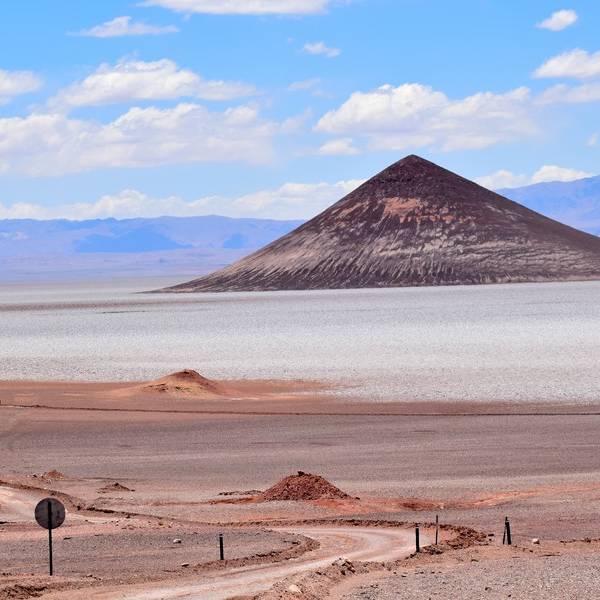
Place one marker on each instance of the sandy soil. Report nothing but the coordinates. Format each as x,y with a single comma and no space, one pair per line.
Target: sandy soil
178,456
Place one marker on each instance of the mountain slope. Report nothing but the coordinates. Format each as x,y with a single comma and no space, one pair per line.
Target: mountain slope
414,223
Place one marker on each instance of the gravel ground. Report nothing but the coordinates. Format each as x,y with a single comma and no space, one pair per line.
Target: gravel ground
118,552
518,576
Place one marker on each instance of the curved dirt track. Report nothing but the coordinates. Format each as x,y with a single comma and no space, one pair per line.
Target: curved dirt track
353,543
15,505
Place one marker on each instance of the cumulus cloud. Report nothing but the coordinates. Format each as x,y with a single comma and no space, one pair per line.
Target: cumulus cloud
339,147
131,80
321,48
125,26
243,7
415,115
15,83
53,144
559,20
575,64
289,201
508,179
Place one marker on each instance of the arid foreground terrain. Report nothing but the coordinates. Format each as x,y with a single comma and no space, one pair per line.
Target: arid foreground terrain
152,473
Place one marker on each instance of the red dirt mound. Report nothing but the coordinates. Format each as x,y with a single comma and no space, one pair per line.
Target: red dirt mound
115,487
303,486
187,383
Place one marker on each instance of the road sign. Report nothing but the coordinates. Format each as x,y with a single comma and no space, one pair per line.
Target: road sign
50,514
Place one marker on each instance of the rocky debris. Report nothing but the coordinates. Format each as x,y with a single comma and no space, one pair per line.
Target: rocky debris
19,591
414,223
498,574
114,487
52,475
316,585
240,493
303,486
177,541
24,587
464,537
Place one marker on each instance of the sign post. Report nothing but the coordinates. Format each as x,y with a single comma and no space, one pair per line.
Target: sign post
50,514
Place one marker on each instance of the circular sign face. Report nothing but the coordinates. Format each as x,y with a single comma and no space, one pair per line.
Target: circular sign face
50,513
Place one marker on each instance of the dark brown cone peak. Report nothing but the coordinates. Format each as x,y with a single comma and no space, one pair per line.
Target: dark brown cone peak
414,223
417,179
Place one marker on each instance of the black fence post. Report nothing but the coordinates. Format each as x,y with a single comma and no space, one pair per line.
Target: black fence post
417,541
221,549
507,531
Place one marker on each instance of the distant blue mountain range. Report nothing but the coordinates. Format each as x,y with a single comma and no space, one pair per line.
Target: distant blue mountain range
31,249
576,203
190,246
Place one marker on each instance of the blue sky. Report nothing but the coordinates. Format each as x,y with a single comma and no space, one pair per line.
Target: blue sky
276,108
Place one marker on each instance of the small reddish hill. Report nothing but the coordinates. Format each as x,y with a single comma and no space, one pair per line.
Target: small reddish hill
414,223
187,383
303,486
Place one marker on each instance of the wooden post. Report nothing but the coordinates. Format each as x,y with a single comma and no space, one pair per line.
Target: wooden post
221,549
417,544
507,529
437,529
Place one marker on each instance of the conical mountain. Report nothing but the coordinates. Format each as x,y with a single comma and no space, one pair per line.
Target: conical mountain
414,223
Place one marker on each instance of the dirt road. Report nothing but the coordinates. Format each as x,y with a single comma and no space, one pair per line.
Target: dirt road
354,543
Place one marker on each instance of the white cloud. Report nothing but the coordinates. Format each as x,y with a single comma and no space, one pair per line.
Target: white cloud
576,64
311,86
555,173
53,144
131,80
415,115
339,147
243,7
321,48
593,140
15,83
306,84
502,179
507,179
289,201
565,94
559,20
125,26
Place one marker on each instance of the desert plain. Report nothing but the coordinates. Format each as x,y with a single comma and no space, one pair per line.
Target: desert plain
151,473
